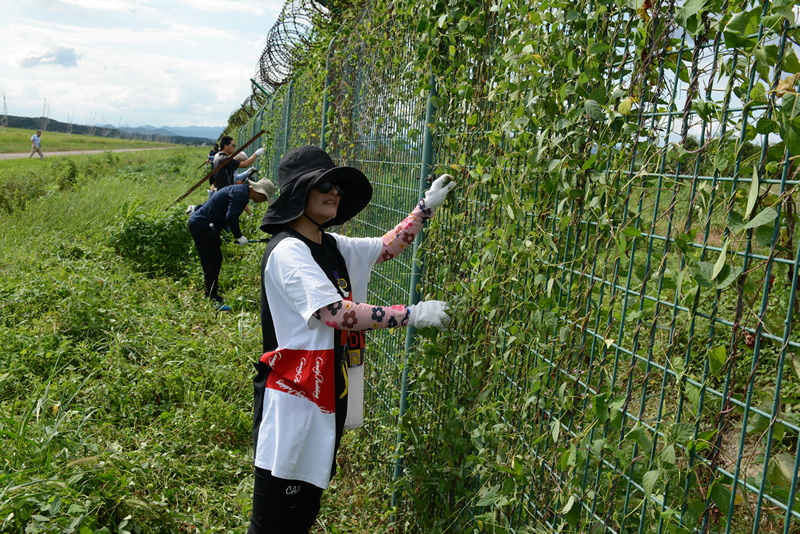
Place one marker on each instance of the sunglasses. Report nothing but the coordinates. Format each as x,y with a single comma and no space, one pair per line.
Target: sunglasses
326,187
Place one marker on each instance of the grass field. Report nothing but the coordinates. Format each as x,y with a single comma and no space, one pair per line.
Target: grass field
15,140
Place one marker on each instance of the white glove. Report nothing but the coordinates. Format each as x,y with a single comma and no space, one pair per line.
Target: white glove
260,152
434,197
242,240
429,313
242,175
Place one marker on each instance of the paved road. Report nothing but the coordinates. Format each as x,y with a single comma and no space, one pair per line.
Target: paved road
19,155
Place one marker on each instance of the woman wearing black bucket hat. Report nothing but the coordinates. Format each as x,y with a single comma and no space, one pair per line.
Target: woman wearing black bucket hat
313,317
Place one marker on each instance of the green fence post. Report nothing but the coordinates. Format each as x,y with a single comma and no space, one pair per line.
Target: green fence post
426,168
288,117
259,87
325,101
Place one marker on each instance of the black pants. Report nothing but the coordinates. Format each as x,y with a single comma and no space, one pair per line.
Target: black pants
283,506
208,243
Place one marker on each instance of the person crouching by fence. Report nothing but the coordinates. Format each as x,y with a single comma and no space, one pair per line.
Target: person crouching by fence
313,318
222,211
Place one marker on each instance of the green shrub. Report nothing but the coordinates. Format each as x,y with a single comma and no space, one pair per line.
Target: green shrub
156,243
17,190
65,173
112,160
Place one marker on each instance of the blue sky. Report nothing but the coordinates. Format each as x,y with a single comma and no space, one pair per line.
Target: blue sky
134,62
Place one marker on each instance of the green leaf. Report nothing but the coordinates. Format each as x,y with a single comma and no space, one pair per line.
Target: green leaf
594,110
741,25
682,433
639,434
721,495
600,408
766,126
668,455
555,429
622,244
721,160
781,470
757,424
704,275
795,364
632,231
685,16
752,198
784,8
615,410
488,499
790,131
717,358
720,263
649,480
692,393
735,222
727,276
790,62
599,48
568,506
766,216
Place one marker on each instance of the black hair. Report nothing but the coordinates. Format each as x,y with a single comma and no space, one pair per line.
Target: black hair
225,141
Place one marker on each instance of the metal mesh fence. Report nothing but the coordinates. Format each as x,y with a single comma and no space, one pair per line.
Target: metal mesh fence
622,265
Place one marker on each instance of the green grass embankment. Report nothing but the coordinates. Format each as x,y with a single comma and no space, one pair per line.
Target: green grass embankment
125,399
15,140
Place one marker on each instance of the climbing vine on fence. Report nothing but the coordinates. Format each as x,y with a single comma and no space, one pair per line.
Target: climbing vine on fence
620,257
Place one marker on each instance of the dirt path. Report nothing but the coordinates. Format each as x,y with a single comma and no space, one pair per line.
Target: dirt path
20,155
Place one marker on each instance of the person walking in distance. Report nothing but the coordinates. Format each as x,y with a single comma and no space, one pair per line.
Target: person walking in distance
221,211
36,144
313,318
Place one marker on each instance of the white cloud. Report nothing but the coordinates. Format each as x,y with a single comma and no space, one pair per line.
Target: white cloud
58,55
244,6
179,63
109,5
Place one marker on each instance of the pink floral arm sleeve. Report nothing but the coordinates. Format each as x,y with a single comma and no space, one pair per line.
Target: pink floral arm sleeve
355,316
397,240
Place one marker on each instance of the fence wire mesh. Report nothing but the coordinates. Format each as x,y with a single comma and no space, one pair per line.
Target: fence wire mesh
619,257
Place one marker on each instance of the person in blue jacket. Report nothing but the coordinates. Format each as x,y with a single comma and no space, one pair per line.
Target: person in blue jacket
222,211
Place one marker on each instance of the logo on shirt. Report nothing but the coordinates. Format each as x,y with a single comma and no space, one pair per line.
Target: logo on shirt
318,378
343,285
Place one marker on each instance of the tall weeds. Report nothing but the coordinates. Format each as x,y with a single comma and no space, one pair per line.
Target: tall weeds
125,402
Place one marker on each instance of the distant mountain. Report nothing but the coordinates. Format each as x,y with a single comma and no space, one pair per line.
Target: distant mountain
146,133
147,130
211,133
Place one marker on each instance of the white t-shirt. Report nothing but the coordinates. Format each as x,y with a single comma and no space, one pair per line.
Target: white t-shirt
296,437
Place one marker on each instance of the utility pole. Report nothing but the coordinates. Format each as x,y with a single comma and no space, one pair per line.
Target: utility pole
45,113
4,118
92,125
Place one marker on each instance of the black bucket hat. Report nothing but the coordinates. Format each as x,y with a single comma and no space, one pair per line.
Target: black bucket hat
300,170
